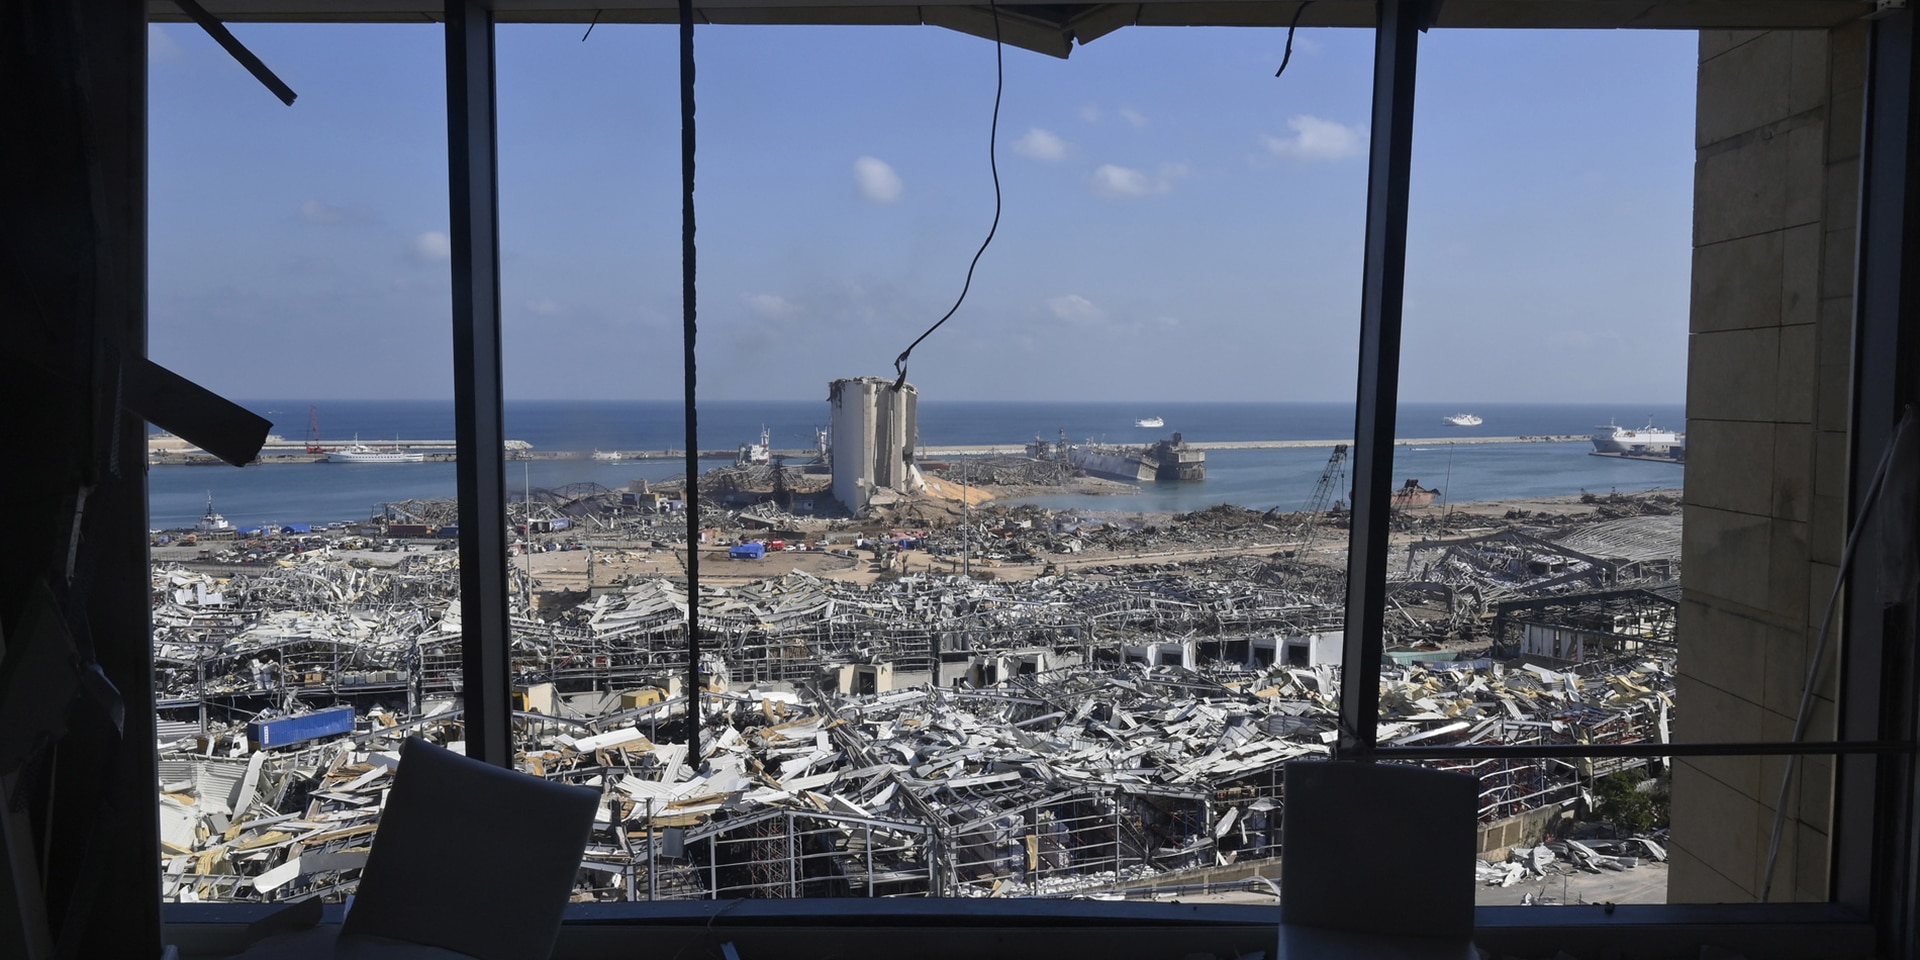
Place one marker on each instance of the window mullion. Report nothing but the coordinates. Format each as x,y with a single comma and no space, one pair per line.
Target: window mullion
1389,164
478,429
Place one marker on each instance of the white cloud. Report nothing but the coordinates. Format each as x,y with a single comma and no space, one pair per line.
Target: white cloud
315,211
1124,183
1041,145
1133,116
770,306
1114,181
433,246
543,308
1076,309
1317,139
1090,113
876,180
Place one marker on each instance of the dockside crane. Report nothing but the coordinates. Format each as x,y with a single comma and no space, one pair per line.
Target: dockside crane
313,430
1322,497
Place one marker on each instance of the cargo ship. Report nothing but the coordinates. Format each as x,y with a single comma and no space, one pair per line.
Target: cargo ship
1168,461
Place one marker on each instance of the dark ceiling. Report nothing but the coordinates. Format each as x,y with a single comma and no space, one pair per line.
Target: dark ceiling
1054,28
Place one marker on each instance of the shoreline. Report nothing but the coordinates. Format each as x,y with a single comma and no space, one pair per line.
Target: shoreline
166,450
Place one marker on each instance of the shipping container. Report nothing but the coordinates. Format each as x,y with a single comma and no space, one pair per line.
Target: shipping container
281,731
409,530
449,533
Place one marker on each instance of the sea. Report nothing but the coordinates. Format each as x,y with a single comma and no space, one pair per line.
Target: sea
282,493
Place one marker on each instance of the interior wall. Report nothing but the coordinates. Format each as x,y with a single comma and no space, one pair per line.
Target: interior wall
73,272
1777,168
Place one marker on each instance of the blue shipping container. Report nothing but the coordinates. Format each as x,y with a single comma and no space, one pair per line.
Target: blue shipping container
282,731
449,533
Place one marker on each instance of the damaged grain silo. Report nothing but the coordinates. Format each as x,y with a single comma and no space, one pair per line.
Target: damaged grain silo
874,431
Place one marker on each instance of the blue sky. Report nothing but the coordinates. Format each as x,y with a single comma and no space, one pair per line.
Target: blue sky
1178,224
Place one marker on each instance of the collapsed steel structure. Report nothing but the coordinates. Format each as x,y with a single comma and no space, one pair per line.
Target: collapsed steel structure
918,736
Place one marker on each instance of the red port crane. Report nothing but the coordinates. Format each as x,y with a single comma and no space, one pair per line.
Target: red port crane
313,430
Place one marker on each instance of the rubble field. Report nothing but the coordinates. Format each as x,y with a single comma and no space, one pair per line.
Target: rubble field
1105,702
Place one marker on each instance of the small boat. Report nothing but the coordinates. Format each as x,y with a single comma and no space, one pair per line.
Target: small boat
609,456
361,453
1151,423
1464,420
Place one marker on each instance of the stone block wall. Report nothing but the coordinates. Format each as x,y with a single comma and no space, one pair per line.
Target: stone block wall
1775,197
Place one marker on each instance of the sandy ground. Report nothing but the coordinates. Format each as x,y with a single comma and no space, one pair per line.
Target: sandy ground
576,570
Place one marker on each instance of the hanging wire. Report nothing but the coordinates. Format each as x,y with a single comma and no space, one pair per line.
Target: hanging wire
1295,25
688,330
993,134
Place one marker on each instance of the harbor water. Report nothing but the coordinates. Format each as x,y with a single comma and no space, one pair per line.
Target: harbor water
262,494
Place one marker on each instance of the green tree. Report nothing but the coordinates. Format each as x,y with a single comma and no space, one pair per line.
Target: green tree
1618,798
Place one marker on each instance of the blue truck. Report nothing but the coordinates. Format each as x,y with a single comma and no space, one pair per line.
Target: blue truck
282,731
748,551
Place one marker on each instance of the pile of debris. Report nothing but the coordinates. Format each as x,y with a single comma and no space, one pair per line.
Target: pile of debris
1061,780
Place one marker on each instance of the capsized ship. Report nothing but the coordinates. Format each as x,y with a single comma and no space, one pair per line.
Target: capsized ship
1168,461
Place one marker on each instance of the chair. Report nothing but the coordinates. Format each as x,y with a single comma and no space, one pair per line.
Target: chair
1377,862
470,858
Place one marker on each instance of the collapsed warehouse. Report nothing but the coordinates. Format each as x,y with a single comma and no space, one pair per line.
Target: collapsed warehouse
919,736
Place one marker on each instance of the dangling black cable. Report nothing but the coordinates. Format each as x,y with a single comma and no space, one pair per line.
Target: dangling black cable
993,135
1297,11
688,329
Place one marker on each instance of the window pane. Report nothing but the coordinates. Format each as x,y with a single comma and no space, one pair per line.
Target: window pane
1004,671
1561,229
305,607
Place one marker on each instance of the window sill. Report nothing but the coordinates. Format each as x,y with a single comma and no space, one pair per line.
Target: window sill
1053,929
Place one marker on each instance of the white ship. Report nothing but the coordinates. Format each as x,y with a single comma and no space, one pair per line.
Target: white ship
1464,420
1613,438
610,456
361,453
1151,423
756,454
213,522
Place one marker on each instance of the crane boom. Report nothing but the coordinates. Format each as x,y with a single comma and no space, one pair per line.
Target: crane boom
313,430
1317,503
